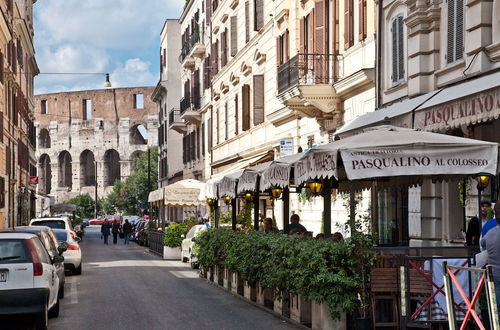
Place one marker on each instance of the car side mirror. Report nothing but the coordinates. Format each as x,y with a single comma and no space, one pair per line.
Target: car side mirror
62,247
183,236
57,259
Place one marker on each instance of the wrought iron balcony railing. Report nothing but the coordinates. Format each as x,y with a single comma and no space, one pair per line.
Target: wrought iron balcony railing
185,104
173,116
307,69
188,46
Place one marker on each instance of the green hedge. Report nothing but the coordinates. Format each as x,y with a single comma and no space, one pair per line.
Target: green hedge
319,269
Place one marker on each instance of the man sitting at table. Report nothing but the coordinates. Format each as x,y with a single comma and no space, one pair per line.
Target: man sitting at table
491,243
295,227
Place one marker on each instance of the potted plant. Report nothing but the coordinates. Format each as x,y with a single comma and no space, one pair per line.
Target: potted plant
172,240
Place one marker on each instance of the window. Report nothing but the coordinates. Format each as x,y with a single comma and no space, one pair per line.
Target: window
455,47
87,109
138,101
236,114
258,8
226,126
258,99
349,23
245,91
392,217
234,35
397,49
247,22
43,107
362,19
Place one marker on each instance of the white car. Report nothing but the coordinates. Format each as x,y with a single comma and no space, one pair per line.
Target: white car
188,243
28,280
73,254
55,223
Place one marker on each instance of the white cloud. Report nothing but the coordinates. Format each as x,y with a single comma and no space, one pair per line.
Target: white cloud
116,36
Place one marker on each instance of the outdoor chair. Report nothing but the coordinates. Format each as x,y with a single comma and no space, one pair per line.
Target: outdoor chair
384,297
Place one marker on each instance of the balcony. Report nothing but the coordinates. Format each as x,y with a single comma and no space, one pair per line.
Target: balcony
189,110
192,49
175,122
305,85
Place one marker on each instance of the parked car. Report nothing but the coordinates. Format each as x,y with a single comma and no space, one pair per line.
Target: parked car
28,281
73,254
188,242
53,222
51,244
141,234
137,228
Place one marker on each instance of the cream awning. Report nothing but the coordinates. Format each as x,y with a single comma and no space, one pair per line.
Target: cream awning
183,193
155,195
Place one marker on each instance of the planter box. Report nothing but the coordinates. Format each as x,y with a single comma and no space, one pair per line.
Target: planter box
171,253
228,279
265,297
237,285
321,318
300,310
282,304
219,275
250,292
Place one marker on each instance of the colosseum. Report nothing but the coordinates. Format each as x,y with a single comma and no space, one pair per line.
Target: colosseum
90,137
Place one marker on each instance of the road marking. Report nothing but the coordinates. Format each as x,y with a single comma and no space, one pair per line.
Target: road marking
73,290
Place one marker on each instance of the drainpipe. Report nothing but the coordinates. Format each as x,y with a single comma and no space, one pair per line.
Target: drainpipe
378,74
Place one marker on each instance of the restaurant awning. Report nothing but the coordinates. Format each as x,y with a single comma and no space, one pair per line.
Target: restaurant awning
277,174
227,185
155,195
248,179
183,193
388,151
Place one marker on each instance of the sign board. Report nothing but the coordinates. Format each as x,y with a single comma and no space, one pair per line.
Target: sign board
286,147
33,179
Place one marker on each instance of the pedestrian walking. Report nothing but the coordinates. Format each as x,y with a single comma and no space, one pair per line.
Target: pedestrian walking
115,229
491,243
127,229
106,230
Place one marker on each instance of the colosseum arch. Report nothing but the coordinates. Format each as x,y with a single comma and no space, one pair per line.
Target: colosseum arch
45,172
138,134
111,167
87,168
44,138
65,170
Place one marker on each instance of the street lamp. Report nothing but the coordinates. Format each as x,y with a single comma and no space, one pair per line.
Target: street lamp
276,192
248,196
227,199
483,180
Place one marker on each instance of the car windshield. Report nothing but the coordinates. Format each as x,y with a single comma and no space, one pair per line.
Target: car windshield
61,236
50,223
13,251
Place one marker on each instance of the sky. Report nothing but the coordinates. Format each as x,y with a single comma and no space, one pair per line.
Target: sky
120,37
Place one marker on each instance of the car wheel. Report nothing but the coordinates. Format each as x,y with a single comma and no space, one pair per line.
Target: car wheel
61,291
194,264
54,311
42,319
78,271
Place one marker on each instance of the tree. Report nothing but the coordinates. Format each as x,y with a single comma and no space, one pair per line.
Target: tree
84,205
132,194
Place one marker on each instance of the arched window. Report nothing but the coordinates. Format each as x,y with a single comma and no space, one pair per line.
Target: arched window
87,168
111,167
65,170
44,138
45,172
138,135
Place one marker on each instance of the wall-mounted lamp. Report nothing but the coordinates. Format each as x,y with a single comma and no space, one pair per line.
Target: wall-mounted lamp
276,192
482,181
210,201
315,187
227,199
248,196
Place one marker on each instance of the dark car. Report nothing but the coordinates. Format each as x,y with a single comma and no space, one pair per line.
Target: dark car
51,244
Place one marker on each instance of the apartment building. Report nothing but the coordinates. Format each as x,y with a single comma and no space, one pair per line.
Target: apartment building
17,138
438,71
167,95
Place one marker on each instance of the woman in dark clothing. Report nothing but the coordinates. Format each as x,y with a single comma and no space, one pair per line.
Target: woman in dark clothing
473,232
114,230
105,230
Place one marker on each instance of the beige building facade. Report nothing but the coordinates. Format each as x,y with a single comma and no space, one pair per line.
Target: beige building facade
17,139
90,137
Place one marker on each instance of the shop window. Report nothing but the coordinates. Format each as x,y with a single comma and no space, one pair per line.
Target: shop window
391,225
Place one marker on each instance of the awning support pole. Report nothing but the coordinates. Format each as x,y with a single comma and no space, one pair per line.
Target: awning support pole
256,206
352,209
327,208
216,213
233,213
286,208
